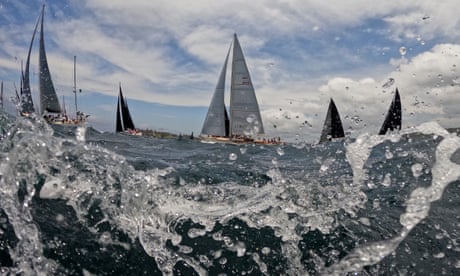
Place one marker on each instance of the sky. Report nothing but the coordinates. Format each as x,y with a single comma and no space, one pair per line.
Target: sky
167,55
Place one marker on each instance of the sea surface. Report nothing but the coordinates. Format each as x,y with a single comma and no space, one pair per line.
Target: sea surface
75,201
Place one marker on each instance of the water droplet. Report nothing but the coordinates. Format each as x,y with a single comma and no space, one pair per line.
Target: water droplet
251,118
417,170
265,250
389,83
422,42
243,150
223,261
233,156
280,151
365,221
59,218
387,180
80,134
388,154
402,50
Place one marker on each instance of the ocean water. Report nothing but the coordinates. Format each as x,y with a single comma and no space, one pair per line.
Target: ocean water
74,201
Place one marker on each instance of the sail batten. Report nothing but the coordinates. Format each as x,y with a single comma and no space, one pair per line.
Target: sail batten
394,116
48,98
332,128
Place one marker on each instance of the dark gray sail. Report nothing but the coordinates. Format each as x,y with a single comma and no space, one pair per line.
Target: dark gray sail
119,125
48,99
394,116
216,122
332,127
245,119
27,105
124,119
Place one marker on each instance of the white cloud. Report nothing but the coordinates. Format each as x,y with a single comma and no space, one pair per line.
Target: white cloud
171,52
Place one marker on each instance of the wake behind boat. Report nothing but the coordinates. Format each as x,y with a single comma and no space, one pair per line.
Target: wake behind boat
244,125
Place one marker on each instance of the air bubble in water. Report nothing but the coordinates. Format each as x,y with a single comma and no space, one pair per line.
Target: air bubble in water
233,156
402,50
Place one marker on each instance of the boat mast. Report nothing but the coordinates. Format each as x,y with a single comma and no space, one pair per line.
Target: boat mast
75,84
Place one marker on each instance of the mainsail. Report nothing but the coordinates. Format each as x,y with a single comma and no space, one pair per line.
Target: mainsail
48,99
124,120
245,116
332,127
245,119
393,117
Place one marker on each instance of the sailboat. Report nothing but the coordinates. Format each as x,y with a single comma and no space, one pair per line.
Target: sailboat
393,118
124,121
332,128
50,107
244,124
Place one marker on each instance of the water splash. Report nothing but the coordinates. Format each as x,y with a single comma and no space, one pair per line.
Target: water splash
444,172
152,206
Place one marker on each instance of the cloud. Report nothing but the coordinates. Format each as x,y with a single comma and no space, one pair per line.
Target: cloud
171,52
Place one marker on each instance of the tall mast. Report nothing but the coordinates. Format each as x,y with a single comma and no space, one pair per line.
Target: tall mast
75,84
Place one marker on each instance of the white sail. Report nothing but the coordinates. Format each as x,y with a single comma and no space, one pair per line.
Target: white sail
245,119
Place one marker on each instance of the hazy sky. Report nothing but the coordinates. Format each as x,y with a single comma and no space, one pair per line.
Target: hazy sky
168,55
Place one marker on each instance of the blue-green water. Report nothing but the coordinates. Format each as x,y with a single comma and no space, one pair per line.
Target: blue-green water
79,202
